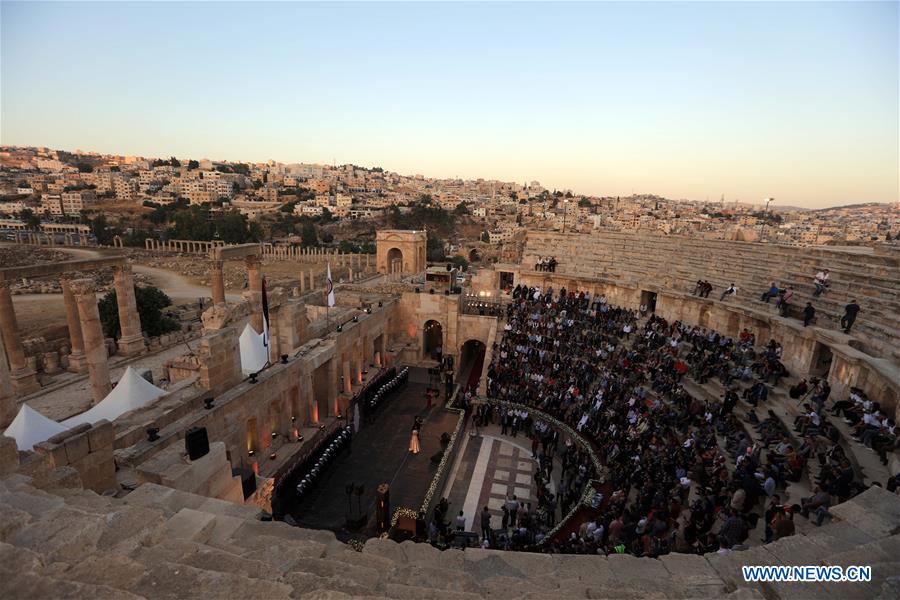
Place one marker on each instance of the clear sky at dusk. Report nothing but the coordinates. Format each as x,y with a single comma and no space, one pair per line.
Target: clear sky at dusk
793,100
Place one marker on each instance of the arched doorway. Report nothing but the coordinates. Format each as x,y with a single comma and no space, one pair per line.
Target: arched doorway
433,343
474,255
471,363
395,257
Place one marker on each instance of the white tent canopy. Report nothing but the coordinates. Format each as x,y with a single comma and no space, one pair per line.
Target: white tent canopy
254,353
31,427
132,391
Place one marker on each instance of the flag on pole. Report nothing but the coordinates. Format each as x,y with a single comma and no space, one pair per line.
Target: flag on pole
265,312
329,286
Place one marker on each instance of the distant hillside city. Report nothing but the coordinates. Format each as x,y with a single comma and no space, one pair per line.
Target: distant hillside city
314,204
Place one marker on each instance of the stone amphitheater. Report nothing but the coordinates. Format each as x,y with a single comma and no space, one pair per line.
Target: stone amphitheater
100,511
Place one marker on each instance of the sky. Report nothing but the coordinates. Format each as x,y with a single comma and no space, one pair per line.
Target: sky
796,101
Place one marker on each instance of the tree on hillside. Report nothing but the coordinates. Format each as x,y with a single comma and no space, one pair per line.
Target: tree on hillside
434,249
84,167
192,224
308,236
150,302
485,237
31,220
461,209
193,164
233,228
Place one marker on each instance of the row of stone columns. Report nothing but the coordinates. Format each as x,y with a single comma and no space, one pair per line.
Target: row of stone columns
181,245
88,346
49,239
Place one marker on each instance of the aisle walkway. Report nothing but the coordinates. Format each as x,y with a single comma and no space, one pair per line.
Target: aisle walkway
379,454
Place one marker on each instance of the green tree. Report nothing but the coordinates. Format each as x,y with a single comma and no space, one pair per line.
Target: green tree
485,237
326,216
84,167
461,209
460,263
192,224
102,231
308,236
327,237
31,220
434,249
584,202
174,162
193,164
347,247
150,302
232,227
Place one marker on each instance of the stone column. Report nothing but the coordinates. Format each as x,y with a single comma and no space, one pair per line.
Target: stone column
332,388
254,277
24,379
348,378
131,342
302,282
8,405
77,360
217,281
94,344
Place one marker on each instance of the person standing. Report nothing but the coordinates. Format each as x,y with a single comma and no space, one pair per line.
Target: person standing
850,312
485,524
821,282
808,314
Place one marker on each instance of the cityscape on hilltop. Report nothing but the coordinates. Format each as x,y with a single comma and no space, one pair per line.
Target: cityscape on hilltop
144,196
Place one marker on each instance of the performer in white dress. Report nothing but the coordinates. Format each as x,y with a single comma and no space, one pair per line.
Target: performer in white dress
414,442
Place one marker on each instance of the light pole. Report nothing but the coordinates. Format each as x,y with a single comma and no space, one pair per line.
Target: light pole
765,218
565,213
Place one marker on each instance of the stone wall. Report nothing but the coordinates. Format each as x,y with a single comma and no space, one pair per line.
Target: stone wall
86,448
657,263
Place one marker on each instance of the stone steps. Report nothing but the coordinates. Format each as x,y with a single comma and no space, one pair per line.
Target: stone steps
156,543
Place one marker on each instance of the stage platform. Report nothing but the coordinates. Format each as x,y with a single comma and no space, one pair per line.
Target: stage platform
379,454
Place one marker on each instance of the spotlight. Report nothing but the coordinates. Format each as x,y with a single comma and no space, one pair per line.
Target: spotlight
418,290
284,359
293,419
340,327
253,377
340,416
250,452
152,434
274,434
355,319
368,310
299,438
380,304
273,456
322,426
208,403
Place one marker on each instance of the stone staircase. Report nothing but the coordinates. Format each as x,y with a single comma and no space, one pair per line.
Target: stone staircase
157,542
676,263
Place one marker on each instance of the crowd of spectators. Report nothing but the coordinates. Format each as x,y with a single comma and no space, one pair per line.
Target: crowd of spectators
680,473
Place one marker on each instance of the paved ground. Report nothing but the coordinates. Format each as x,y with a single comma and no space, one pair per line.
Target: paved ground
379,454
491,468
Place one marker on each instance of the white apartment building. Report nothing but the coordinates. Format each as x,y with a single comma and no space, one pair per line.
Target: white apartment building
125,189
75,202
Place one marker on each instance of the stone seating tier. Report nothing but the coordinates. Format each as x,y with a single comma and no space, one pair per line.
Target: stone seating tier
163,543
668,262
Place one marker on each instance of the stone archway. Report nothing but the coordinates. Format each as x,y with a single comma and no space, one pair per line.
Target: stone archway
395,256
471,363
433,340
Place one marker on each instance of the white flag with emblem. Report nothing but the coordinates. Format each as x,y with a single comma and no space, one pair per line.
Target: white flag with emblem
329,286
